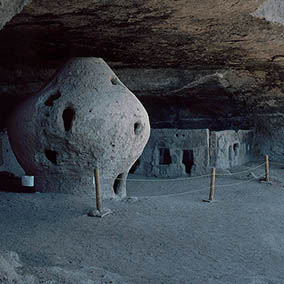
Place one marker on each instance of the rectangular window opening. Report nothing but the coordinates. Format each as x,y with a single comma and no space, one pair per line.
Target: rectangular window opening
165,156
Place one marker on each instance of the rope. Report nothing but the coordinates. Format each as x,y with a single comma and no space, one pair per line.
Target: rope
173,179
167,180
172,194
238,183
190,192
190,178
275,163
236,173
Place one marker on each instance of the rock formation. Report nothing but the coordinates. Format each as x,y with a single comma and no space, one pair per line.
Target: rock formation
85,118
193,64
9,8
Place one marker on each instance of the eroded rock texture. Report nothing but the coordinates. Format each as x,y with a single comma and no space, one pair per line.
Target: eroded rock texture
9,8
194,64
85,118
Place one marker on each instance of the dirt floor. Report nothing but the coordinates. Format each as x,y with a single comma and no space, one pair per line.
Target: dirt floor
162,233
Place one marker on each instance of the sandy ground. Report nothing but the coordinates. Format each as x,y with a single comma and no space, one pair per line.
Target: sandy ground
162,233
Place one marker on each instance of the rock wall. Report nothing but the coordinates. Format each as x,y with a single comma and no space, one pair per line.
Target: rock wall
271,10
269,136
9,8
8,161
207,64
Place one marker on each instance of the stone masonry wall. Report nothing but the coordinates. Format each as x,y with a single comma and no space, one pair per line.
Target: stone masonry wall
173,153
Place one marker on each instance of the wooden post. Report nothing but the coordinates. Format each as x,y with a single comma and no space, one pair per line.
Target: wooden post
212,185
266,168
98,191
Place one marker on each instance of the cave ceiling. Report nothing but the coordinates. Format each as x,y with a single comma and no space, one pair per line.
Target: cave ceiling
217,35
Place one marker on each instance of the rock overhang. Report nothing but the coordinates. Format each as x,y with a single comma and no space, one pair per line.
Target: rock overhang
204,37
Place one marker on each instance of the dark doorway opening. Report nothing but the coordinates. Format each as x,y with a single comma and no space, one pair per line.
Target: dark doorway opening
165,156
68,117
236,148
188,160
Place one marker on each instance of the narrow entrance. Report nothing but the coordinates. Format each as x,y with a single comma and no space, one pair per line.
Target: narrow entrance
165,156
188,160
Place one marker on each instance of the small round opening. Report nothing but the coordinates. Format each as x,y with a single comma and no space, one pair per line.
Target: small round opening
114,80
120,184
137,128
51,156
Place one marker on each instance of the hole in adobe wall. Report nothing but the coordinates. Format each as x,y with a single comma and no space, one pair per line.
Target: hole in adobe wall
68,117
114,80
188,160
51,156
236,148
137,128
52,98
118,184
165,156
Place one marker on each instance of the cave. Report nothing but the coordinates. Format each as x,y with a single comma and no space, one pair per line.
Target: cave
191,80
161,90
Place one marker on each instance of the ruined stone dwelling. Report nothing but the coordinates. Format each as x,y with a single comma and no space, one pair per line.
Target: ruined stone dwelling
172,152
190,152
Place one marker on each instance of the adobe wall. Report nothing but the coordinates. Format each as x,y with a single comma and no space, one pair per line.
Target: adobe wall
231,148
175,152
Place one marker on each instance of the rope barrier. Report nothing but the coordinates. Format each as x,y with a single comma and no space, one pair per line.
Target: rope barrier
190,178
238,183
190,192
275,163
169,179
241,172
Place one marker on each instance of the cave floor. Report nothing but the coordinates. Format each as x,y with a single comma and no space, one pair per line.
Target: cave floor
159,234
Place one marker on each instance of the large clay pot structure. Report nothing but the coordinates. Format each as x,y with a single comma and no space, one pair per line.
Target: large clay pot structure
85,118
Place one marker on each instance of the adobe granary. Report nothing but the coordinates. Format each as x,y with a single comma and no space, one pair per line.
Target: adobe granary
85,118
